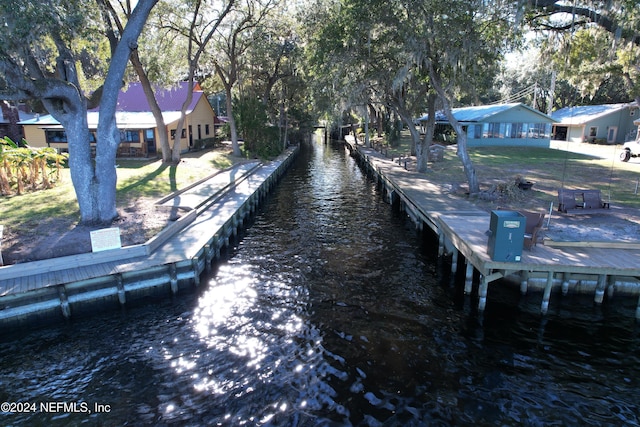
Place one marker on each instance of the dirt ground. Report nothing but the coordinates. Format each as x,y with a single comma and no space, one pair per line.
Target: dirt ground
61,237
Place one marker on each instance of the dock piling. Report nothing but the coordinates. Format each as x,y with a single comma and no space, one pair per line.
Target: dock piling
547,293
64,303
602,284
468,279
524,282
482,293
122,297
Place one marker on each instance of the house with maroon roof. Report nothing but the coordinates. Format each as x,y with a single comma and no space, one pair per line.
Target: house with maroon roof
138,129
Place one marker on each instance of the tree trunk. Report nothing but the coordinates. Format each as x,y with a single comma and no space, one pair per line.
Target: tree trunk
163,138
463,155
422,149
416,141
232,124
81,165
12,116
108,133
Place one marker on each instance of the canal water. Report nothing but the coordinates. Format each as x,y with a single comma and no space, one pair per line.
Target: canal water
330,310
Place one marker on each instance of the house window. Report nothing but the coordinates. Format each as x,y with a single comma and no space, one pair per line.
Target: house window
206,129
56,136
494,130
536,130
508,128
516,130
129,136
593,131
173,133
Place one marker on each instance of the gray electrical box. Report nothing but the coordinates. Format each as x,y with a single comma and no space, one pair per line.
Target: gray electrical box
506,236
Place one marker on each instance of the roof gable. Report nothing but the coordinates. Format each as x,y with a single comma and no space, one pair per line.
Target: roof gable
134,100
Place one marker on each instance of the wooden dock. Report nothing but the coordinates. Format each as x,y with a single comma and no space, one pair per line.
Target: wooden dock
212,212
462,229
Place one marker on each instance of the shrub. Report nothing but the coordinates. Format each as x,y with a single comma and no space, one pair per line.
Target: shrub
25,168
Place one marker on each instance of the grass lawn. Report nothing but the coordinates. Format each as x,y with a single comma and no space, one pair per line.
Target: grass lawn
136,179
549,169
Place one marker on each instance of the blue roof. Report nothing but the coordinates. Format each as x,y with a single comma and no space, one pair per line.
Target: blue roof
479,113
21,115
586,113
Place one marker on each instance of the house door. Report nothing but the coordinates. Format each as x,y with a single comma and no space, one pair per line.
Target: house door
612,133
149,138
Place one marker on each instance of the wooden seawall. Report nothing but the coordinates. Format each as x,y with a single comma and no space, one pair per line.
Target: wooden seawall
462,228
213,212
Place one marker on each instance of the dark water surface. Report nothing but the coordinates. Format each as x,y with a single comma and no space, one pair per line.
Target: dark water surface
331,311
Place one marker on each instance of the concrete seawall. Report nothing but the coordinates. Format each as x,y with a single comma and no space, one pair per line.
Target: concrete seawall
171,262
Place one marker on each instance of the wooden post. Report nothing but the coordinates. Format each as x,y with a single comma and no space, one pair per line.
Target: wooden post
547,293
440,244
208,257
524,282
64,302
602,284
454,262
468,279
565,283
611,286
196,271
173,278
482,293
122,297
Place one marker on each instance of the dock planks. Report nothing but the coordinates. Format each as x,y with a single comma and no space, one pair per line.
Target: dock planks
464,226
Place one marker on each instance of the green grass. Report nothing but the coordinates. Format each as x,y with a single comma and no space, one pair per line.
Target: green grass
136,179
550,169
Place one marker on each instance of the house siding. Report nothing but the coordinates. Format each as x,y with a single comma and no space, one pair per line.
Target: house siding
202,115
621,121
508,125
509,142
34,136
137,121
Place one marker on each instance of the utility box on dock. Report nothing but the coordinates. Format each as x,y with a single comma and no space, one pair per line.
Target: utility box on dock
506,236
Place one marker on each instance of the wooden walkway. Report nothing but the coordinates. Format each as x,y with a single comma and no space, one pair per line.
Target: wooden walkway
462,229
212,211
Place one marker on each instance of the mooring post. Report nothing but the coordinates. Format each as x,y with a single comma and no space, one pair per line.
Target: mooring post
565,283
611,286
440,244
122,297
547,293
196,271
64,302
524,282
208,257
482,293
454,262
173,278
602,284
468,279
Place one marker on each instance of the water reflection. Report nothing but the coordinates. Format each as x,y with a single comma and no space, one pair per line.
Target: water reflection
330,311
